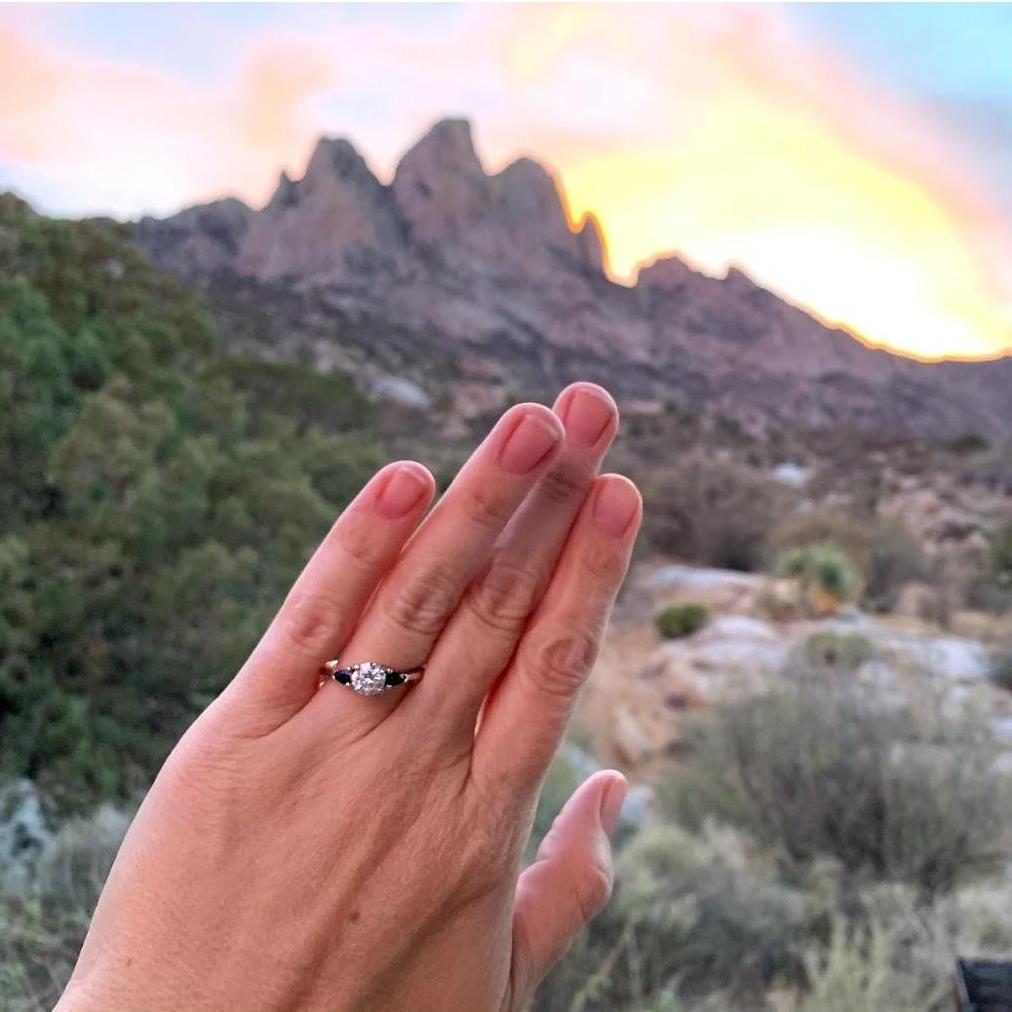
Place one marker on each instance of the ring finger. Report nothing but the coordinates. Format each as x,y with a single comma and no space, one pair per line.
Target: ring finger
417,597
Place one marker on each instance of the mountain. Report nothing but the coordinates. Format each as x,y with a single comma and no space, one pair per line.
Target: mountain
473,288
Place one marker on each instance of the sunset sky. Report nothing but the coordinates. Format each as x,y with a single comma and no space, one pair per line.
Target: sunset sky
856,159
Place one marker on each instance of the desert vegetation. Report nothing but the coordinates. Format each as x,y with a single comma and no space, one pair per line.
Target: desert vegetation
788,863
851,679
678,620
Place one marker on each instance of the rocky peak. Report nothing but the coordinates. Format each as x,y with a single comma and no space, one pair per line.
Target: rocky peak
285,194
440,185
590,243
338,217
529,194
450,202
446,149
335,158
199,239
666,273
738,281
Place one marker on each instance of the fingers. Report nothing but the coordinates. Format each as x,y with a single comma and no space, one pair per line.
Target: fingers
480,638
281,674
526,714
418,596
568,884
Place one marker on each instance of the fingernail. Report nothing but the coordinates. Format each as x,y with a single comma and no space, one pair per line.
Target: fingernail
616,505
611,802
587,415
529,443
402,491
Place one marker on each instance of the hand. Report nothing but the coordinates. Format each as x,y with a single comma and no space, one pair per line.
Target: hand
305,847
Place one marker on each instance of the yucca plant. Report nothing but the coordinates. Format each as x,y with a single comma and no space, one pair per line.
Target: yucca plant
826,577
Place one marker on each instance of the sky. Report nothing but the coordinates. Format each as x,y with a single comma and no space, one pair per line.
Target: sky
856,159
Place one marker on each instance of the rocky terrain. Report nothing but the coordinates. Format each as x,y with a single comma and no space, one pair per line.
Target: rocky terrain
455,287
644,686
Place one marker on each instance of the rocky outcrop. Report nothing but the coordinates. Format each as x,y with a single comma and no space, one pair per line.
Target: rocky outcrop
440,185
479,287
335,221
491,222
198,240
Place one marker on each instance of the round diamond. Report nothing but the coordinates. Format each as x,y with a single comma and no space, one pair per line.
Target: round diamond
369,678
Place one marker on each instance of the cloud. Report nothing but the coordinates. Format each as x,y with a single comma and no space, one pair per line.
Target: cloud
720,131
749,144
121,137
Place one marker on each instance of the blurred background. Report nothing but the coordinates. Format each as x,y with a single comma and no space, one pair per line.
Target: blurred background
248,253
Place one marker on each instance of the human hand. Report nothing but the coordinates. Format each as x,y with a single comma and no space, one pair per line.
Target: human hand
305,847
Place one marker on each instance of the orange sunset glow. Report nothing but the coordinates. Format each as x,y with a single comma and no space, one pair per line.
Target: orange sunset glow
731,136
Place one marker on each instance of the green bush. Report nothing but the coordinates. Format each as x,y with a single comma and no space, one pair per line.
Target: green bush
843,651
692,916
680,620
895,558
821,526
867,969
139,472
826,575
822,768
713,511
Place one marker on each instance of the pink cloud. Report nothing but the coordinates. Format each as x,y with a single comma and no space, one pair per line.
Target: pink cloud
129,130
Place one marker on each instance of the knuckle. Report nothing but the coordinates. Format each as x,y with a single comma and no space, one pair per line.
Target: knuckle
358,541
504,597
562,661
481,856
425,603
485,507
311,619
605,562
565,483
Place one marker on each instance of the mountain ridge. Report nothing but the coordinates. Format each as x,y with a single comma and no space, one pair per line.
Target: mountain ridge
494,292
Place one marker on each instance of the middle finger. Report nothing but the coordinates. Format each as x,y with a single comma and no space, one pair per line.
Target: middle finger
419,594
482,634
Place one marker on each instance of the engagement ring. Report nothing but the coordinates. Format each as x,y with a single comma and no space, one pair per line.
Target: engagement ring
368,678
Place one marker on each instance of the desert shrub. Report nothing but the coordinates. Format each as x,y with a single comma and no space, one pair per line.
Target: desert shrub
692,915
862,971
680,620
822,768
826,575
1001,669
895,558
968,443
42,929
713,511
843,651
885,554
820,526
990,586
1001,557
889,949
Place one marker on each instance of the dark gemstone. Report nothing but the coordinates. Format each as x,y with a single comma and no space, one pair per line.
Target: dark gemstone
343,675
395,678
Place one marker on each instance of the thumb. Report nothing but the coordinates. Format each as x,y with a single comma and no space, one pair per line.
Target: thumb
568,884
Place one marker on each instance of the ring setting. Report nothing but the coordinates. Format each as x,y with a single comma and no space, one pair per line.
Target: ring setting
370,678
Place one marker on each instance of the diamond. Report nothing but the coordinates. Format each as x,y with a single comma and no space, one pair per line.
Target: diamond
368,678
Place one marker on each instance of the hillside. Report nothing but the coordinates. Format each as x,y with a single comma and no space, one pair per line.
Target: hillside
135,487
163,475
474,287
